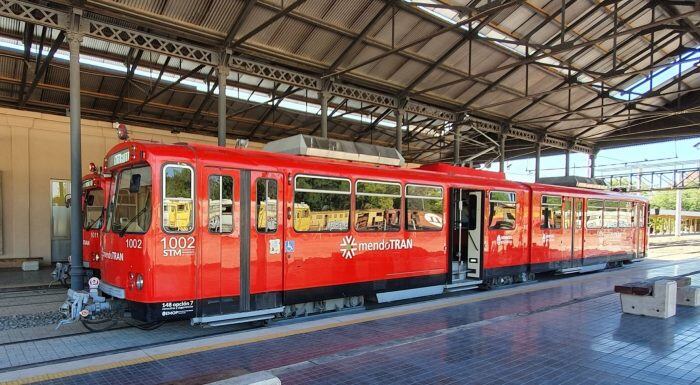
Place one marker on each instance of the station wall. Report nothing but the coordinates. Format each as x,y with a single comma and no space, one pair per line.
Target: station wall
34,148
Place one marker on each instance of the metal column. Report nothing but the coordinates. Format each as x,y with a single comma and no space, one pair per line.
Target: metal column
567,163
592,159
458,138
679,208
76,172
399,127
502,148
324,113
223,72
538,163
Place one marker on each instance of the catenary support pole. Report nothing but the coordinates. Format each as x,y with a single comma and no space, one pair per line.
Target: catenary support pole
222,72
76,172
679,208
538,160
399,128
567,163
324,113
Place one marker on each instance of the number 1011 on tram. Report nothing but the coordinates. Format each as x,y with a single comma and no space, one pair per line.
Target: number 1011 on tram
223,235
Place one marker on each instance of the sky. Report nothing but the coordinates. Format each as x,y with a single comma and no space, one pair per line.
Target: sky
610,161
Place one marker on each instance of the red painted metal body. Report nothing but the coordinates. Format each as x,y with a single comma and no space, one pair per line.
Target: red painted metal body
290,264
96,185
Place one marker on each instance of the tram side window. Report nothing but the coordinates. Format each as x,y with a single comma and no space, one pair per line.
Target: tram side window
642,215
551,212
377,206
266,205
610,219
220,204
321,204
131,210
626,214
594,214
178,199
94,209
502,211
424,209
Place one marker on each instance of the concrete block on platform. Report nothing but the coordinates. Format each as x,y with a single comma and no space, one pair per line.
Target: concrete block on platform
30,265
257,378
661,304
688,296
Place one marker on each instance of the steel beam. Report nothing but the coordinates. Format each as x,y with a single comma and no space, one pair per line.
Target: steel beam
166,88
125,84
27,40
236,26
282,13
360,37
44,67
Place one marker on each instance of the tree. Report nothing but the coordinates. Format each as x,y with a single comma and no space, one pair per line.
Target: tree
690,199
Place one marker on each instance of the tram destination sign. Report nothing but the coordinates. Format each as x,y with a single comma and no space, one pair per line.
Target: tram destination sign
118,158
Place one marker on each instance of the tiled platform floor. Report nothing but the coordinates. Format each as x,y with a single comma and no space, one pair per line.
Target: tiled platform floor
569,331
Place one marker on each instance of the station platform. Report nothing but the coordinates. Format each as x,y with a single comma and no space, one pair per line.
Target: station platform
558,330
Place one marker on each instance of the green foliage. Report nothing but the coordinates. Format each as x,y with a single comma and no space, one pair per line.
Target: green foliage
690,200
178,182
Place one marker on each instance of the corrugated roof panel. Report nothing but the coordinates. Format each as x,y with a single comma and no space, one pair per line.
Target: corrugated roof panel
223,14
319,43
408,71
288,35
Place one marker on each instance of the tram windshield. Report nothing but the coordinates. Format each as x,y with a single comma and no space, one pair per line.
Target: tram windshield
94,209
131,211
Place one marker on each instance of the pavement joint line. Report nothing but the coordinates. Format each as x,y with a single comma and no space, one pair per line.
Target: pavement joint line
25,376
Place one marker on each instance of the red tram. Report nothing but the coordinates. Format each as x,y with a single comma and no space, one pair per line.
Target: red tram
221,235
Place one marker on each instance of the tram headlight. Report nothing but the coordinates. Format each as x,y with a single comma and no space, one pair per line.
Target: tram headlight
97,257
132,278
139,281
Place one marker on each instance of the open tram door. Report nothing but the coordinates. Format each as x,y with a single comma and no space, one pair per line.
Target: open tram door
239,269
466,237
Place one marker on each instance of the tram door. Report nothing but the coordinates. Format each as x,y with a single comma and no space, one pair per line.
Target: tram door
577,233
466,234
218,267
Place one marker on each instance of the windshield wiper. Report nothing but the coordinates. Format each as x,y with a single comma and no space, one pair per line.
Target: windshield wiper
137,216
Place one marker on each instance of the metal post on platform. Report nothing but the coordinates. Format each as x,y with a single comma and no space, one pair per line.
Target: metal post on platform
592,159
679,208
567,162
538,160
399,127
222,72
324,96
76,172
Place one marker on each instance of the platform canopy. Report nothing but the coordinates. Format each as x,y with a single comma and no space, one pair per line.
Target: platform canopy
572,74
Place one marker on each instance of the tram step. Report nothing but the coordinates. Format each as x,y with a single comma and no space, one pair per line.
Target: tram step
234,318
468,284
584,269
